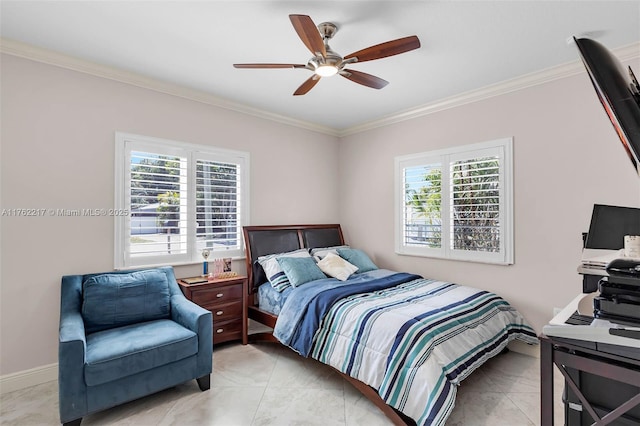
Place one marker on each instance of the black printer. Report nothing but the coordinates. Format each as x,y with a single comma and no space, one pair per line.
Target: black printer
619,299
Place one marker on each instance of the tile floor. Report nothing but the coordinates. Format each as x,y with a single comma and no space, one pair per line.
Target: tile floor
267,384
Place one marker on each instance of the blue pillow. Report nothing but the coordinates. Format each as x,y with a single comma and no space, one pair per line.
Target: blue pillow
273,270
115,300
300,270
357,258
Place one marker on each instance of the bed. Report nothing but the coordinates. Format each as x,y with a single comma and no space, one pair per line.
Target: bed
403,340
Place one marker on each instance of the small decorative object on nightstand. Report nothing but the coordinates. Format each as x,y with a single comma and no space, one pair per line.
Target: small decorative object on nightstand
205,264
226,298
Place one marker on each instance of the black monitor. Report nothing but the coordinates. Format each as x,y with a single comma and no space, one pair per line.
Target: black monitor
609,225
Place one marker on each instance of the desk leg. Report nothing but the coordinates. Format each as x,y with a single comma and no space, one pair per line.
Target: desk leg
546,383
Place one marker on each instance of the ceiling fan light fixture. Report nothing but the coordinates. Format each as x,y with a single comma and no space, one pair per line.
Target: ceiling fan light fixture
326,63
326,70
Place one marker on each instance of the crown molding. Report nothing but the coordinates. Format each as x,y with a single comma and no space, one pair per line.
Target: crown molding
27,51
625,53
15,48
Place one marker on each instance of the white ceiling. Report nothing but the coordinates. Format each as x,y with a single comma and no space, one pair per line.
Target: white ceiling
466,45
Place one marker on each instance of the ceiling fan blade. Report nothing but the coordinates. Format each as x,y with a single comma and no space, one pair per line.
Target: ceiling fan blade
307,85
268,66
308,33
382,50
364,78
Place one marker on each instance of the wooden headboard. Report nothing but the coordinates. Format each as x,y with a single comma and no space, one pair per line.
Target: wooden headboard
264,240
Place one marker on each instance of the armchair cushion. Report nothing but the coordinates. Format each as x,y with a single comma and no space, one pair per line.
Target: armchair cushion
118,299
124,351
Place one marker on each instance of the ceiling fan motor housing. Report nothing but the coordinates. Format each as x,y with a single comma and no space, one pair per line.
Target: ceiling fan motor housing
327,30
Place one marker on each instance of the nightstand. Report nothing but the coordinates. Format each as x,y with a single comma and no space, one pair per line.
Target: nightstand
226,298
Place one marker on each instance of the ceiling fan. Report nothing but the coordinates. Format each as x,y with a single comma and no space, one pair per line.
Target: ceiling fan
325,62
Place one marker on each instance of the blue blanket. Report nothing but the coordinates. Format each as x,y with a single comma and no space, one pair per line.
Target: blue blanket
443,332
307,305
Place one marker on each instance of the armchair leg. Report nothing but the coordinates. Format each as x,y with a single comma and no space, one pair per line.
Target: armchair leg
204,382
75,422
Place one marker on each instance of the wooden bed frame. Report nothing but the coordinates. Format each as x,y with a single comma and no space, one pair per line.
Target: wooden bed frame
264,240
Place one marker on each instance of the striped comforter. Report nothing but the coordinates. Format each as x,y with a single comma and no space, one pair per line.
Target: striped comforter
412,339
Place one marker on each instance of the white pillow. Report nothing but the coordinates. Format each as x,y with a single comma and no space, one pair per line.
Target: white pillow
320,252
336,267
273,270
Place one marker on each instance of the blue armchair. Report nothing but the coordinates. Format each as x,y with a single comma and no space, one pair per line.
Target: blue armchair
127,334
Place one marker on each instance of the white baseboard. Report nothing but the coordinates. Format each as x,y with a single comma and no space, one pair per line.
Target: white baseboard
24,379
524,349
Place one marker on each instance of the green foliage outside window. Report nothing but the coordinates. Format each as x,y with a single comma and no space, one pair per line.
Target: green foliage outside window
474,206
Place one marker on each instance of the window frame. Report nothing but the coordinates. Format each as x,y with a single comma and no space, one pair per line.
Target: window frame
503,148
125,143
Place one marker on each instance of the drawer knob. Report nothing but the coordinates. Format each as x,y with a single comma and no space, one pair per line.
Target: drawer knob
219,294
219,313
220,330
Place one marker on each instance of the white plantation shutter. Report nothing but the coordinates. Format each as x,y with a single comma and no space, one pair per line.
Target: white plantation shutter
181,199
457,203
218,205
475,205
157,224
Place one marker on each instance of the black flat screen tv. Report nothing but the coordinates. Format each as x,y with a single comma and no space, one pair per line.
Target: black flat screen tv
618,91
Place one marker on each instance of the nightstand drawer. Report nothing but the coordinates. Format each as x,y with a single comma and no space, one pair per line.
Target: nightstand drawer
222,312
226,330
217,294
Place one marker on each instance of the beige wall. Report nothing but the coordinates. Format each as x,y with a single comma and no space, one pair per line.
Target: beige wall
58,152
566,158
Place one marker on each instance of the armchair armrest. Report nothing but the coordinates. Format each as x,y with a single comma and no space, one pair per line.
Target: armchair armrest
186,313
200,321
72,330
72,347
71,322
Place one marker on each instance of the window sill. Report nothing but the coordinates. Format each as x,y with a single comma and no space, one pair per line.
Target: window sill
187,263
459,259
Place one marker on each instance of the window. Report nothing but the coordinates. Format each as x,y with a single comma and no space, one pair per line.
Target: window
456,203
179,199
